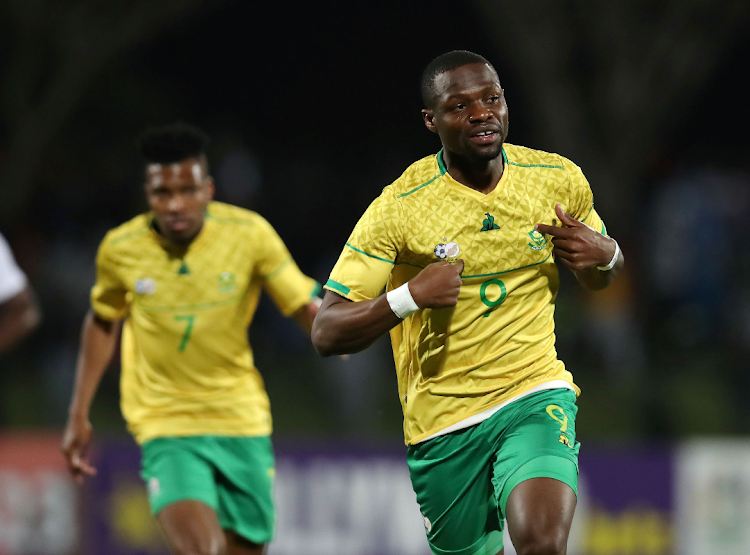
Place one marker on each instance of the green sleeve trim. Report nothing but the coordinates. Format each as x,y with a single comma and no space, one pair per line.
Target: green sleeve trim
505,159
604,229
343,289
370,255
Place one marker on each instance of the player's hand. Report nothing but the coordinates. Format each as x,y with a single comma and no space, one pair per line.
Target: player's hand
438,285
75,447
577,245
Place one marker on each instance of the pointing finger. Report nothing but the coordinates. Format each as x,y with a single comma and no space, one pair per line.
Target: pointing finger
564,217
551,230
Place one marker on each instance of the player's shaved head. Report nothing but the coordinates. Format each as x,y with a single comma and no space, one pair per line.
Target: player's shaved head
173,143
446,62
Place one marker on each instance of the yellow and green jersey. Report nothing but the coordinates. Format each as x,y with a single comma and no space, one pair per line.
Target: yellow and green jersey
187,366
498,342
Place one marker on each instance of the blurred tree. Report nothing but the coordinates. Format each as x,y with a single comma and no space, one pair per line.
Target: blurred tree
606,82
54,51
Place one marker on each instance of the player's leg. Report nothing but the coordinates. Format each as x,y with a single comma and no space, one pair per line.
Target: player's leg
192,528
539,513
536,471
451,476
245,469
182,494
237,545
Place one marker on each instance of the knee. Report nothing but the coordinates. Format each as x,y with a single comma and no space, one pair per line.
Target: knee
216,545
547,544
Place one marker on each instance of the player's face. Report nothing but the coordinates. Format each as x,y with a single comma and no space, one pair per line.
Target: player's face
179,194
470,114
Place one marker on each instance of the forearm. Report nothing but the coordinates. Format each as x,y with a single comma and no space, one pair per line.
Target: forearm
98,341
342,326
594,279
18,316
305,316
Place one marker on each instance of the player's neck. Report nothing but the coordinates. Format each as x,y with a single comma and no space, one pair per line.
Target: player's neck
480,175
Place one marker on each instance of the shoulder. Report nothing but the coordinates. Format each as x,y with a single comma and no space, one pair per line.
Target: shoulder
127,234
416,177
523,157
228,214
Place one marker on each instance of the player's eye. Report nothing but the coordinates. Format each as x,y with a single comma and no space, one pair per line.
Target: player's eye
459,106
494,99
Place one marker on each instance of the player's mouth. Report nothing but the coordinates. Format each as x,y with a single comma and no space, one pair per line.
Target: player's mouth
178,225
484,137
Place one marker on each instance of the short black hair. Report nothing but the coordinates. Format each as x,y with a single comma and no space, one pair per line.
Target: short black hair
172,143
446,62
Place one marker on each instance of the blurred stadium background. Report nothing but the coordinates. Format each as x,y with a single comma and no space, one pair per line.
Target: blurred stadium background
313,108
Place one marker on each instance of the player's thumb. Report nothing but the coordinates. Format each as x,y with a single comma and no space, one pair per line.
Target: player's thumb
459,265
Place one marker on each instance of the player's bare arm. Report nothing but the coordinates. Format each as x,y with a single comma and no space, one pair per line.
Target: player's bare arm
343,326
305,316
584,250
98,341
19,315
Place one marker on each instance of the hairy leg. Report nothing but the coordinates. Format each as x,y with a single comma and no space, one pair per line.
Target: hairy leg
237,545
192,528
539,513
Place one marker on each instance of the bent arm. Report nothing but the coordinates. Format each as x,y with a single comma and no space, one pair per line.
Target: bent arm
594,279
19,315
343,326
305,316
98,341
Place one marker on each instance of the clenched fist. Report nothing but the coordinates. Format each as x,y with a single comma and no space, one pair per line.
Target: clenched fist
438,285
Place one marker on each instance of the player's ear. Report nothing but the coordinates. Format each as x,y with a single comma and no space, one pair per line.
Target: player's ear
429,119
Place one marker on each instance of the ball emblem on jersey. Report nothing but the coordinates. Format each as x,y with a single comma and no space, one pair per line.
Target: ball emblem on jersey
447,250
145,286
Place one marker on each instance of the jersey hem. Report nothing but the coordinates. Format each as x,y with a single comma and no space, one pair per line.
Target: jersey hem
144,437
424,435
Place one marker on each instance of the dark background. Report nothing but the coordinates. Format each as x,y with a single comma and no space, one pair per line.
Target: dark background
313,108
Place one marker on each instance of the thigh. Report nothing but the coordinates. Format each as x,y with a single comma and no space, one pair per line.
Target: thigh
451,476
190,527
175,470
245,470
538,440
540,513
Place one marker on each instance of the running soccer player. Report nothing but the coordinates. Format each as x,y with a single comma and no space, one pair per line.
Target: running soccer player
185,278
19,311
464,243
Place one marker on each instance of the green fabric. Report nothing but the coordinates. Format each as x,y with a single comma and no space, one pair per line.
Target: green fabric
232,475
463,479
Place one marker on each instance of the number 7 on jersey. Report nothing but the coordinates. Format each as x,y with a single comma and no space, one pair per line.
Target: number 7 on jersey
190,319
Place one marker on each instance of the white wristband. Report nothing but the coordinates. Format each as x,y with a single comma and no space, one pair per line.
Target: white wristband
401,302
613,261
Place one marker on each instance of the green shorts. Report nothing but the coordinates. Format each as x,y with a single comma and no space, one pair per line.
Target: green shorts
463,479
233,475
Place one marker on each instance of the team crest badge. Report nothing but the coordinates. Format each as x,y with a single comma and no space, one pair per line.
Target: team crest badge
488,224
227,283
145,286
538,240
447,250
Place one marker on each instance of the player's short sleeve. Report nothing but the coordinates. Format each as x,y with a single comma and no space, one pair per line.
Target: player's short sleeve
289,288
109,296
581,202
369,255
12,279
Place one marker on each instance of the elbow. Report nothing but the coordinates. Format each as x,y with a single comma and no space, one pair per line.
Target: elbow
321,340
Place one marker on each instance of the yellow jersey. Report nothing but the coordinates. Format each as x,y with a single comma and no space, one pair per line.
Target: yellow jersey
187,366
499,341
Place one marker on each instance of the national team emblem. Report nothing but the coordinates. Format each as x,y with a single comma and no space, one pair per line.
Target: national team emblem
145,286
227,283
538,240
488,224
447,250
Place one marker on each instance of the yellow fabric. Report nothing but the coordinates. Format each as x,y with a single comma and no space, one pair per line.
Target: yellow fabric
187,366
499,340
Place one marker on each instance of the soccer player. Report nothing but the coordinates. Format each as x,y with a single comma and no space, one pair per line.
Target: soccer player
464,243
185,278
19,311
